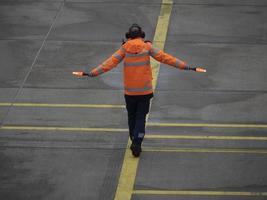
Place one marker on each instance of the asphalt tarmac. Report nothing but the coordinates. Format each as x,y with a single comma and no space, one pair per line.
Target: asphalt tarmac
63,137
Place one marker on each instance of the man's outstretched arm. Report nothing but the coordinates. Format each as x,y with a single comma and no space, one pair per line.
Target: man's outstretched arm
108,64
168,59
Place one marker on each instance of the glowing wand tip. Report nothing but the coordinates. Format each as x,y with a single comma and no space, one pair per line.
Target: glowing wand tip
201,70
77,73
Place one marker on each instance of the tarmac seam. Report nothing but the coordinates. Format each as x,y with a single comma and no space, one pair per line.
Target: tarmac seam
220,5
207,150
148,149
205,137
62,105
215,125
33,63
198,193
60,147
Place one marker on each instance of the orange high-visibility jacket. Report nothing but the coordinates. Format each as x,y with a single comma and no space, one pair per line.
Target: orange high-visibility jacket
137,69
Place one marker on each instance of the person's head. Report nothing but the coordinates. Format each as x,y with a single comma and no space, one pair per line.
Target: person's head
135,31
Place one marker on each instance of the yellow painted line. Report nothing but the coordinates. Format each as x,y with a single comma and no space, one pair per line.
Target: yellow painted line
148,136
206,137
62,105
206,150
78,129
127,175
151,124
160,36
129,167
5,104
198,193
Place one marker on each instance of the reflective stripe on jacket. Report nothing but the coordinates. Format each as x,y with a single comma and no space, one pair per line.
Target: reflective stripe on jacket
137,69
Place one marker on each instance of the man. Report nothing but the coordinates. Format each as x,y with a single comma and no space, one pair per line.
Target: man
137,79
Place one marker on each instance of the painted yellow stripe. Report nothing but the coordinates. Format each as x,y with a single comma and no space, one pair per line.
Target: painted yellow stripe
160,36
130,164
206,150
127,175
62,105
148,136
206,137
198,193
151,124
37,128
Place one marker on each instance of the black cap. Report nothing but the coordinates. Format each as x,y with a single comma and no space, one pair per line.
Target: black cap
135,31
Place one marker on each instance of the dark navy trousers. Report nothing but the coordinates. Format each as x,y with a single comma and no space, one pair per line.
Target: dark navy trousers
137,109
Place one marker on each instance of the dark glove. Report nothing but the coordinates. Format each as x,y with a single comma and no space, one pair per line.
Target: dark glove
90,74
81,73
196,69
190,68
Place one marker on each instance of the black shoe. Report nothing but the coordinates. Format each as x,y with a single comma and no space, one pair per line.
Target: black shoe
136,149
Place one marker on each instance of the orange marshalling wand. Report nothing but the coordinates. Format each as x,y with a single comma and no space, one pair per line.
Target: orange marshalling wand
201,70
79,73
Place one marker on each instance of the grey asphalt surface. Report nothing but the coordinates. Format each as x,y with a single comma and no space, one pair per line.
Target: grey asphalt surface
42,42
